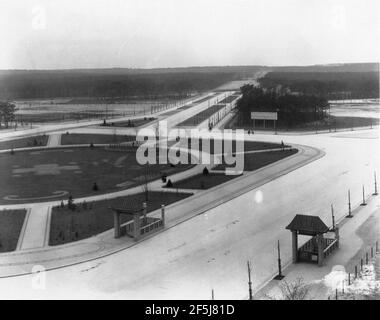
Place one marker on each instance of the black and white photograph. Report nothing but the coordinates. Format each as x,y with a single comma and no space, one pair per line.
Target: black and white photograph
183,150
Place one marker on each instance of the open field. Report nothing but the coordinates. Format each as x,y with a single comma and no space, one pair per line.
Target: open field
84,138
351,122
201,181
36,141
35,176
239,121
11,222
362,108
114,84
96,217
256,161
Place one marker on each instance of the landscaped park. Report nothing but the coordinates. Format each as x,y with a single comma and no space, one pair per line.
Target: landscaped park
43,175
97,166
36,141
129,123
85,138
82,220
11,222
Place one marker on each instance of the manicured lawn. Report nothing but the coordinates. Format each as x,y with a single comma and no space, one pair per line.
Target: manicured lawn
256,161
248,145
61,116
129,123
201,181
11,222
43,175
67,225
36,141
84,138
202,116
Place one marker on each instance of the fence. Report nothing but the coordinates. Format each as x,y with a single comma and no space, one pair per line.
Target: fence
369,254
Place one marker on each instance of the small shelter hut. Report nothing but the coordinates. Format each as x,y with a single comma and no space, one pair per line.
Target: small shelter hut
318,247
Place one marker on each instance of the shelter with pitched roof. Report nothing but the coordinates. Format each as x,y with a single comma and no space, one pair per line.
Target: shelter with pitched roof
139,223
319,246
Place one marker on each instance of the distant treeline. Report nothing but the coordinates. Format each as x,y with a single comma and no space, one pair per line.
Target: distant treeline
45,85
332,85
119,83
340,67
292,110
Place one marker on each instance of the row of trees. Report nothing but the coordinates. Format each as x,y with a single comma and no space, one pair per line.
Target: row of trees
333,85
292,109
7,113
96,84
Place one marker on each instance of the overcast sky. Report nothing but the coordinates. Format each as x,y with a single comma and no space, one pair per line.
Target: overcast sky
55,34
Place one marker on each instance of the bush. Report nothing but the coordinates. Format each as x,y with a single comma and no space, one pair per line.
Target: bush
95,187
70,203
169,184
205,171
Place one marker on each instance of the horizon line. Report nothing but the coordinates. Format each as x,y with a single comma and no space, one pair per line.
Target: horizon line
337,64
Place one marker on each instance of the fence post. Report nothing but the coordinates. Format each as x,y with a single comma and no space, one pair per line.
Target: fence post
249,280
363,203
279,276
375,193
163,215
144,209
349,204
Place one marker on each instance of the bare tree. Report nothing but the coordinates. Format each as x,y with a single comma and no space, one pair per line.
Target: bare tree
7,113
295,290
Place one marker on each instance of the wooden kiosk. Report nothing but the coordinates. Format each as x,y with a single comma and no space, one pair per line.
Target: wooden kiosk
138,224
319,246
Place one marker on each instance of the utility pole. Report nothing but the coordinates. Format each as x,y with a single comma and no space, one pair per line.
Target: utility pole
349,204
375,193
249,280
333,218
279,276
363,203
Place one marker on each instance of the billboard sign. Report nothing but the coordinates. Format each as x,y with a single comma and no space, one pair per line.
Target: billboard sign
264,115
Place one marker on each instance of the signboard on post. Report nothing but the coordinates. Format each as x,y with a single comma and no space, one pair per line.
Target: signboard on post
264,115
